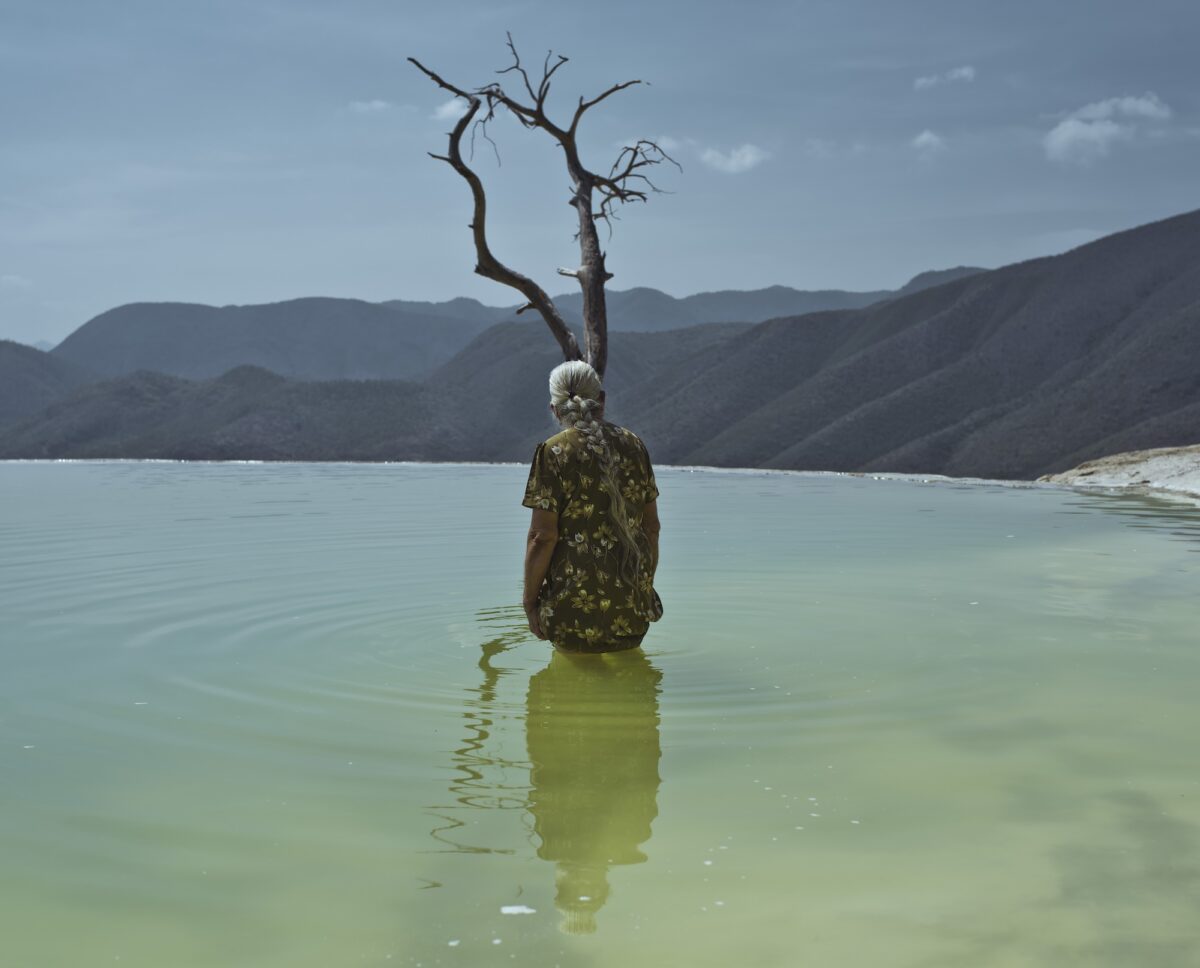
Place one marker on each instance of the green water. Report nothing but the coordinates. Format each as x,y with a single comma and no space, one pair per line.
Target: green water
289,715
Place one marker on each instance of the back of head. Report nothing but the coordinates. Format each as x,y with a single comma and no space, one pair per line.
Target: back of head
575,390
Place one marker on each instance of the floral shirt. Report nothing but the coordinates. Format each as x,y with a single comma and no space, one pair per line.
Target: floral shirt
585,605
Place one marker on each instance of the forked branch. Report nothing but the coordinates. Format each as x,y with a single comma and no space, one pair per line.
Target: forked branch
486,264
626,181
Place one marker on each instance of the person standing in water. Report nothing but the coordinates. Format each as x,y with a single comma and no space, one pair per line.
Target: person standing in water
592,548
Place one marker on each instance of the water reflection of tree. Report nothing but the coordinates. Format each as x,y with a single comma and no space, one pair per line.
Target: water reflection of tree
592,734
479,780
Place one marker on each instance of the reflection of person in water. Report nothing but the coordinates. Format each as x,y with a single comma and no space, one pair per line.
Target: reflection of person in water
592,733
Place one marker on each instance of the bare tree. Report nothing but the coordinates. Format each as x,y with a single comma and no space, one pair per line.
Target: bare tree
625,182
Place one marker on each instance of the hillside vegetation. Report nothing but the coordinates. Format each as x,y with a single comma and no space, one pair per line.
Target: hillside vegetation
31,379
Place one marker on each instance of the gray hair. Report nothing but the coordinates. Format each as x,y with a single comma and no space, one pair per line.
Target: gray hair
574,392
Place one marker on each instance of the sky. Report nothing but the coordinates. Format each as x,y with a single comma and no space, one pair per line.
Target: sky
247,151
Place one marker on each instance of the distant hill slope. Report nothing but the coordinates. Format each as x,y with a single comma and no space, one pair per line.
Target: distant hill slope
501,377
935,277
248,413
489,403
650,311
324,339
31,380
303,338
1012,373
647,310
461,307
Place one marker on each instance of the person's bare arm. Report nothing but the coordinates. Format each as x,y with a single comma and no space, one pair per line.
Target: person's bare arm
651,527
539,549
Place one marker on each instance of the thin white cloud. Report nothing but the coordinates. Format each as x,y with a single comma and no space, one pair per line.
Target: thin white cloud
667,142
964,74
1147,106
15,282
369,107
450,110
736,161
1089,133
928,143
1074,141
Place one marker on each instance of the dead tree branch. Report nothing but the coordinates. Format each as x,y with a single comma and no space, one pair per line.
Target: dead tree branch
624,182
486,264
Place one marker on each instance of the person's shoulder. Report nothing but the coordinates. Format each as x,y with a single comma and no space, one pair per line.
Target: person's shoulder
630,437
563,442
561,447
566,435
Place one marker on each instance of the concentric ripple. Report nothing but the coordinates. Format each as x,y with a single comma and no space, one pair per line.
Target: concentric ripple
271,714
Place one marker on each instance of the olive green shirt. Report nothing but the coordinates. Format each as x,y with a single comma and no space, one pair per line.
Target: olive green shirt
585,605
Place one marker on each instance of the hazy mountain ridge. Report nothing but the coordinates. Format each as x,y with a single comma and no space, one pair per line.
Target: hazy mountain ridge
322,338
644,309
935,277
487,404
31,379
1009,373
313,338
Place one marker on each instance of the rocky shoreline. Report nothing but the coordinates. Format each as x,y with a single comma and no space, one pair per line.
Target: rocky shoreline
1162,471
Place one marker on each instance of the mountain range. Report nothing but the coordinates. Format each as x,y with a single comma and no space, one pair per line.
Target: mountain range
1009,373
340,339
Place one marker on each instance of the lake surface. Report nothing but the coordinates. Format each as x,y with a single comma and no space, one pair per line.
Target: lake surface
290,715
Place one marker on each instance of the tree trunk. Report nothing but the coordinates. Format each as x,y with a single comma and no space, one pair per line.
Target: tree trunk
592,274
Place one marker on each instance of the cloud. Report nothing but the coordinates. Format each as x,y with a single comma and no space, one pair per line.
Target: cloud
1081,142
667,142
15,282
736,161
1088,134
450,110
1146,106
928,144
965,74
369,107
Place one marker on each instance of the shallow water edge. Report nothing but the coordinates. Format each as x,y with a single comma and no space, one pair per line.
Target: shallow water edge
1186,497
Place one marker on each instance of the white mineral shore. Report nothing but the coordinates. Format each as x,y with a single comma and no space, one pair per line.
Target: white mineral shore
1174,470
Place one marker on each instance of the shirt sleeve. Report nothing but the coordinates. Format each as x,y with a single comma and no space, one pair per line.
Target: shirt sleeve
544,488
651,487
